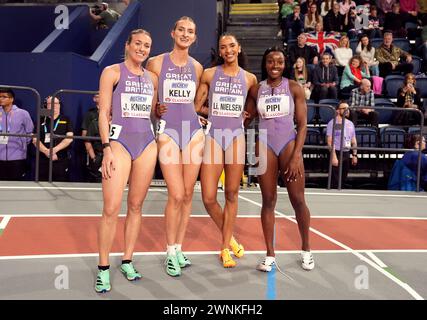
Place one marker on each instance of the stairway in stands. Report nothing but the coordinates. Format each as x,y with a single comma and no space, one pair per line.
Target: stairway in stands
255,25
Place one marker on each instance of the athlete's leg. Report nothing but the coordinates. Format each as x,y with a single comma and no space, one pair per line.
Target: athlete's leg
210,172
268,184
139,181
234,159
112,196
192,160
296,195
171,166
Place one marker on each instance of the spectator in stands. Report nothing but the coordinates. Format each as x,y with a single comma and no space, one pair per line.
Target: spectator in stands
353,74
334,20
293,25
389,57
93,148
350,23
305,6
325,79
61,147
364,99
312,18
375,23
345,6
395,22
13,150
104,16
343,54
410,158
349,141
301,49
287,8
386,6
410,7
302,75
367,53
326,6
422,4
408,96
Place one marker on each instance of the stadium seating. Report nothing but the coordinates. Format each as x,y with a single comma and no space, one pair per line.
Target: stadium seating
392,84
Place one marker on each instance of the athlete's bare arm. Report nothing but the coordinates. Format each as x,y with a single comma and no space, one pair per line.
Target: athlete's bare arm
203,91
250,106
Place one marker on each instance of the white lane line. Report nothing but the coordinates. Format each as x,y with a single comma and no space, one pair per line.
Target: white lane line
402,284
162,253
4,222
377,260
368,217
163,189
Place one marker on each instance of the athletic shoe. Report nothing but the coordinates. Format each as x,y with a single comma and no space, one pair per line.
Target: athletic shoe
182,259
307,260
267,264
227,260
130,272
237,248
102,284
172,266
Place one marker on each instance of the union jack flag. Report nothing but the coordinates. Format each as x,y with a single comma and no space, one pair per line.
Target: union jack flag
323,40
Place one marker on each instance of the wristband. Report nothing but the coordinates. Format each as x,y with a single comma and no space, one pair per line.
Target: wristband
105,145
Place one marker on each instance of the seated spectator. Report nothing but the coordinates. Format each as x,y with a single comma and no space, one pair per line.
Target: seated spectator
305,6
363,98
286,8
334,20
386,6
61,146
422,12
345,6
350,23
104,16
301,49
410,158
353,74
302,75
395,22
323,41
325,79
408,96
343,54
367,53
93,148
293,24
13,150
411,8
312,18
349,141
326,6
374,29
389,57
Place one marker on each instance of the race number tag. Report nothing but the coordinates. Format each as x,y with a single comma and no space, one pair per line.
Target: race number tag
227,105
179,91
4,139
273,106
136,105
115,130
347,143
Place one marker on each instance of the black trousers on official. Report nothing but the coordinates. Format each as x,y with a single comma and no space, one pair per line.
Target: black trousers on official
13,170
59,170
387,68
345,169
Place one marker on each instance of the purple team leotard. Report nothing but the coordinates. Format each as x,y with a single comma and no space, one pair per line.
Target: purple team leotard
276,115
227,96
177,89
132,99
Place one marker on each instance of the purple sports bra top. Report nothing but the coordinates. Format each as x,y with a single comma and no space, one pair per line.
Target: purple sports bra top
276,107
132,100
227,96
177,89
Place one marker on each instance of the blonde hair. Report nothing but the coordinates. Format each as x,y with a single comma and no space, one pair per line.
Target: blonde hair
341,41
304,69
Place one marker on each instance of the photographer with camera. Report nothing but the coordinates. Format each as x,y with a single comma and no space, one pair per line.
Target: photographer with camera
104,16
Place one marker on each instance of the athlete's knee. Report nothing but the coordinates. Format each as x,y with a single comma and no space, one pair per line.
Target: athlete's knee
269,201
188,196
134,207
231,195
298,203
111,211
209,200
176,197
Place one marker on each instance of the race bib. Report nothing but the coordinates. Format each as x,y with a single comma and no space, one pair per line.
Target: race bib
347,143
115,130
179,91
227,105
4,139
136,105
273,106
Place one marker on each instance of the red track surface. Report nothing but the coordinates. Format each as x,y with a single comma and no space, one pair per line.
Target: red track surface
67,235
